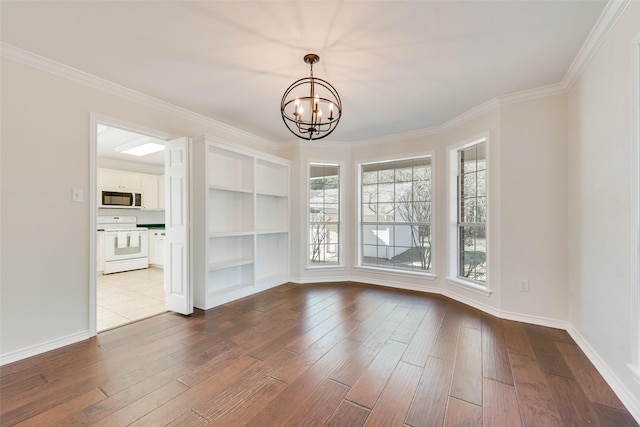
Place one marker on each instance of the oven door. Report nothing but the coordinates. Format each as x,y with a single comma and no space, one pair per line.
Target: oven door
124,245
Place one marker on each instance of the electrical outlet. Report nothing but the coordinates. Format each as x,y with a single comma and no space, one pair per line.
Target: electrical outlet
524,285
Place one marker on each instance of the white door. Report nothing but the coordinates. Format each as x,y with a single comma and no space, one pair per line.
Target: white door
178,290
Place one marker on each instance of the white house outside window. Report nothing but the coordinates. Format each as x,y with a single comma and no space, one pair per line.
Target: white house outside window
324,215
395,215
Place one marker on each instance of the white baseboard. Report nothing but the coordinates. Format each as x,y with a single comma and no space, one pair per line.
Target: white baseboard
630,401
14,356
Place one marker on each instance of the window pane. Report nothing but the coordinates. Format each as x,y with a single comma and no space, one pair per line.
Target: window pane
403,212
369,212
385,175
422,190
468,159
421,212
472,212
385,193
404,174
369,177
473,252
324,214
469,184
403,194
482,183
370,193
385,212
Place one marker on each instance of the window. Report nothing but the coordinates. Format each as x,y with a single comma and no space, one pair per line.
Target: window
395,215
469,175
324,214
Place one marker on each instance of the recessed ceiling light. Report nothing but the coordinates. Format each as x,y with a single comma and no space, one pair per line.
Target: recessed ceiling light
144,149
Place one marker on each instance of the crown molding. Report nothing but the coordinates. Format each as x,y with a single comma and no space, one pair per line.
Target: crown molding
45,64
606,22
531,94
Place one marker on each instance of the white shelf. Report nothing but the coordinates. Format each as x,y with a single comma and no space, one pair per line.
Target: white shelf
229,211
274,231
272,177
229,278
218,234
221,265
265,193
241,222
272,213
229,169
231,189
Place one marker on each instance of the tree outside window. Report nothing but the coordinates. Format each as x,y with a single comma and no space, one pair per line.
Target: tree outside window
324,214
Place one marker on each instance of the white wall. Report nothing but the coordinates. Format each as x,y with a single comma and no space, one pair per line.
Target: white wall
44,270
601,120
533,165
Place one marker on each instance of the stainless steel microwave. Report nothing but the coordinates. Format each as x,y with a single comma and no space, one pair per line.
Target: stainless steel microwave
129,199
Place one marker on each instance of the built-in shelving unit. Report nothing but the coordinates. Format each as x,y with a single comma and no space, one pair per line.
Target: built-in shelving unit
241,222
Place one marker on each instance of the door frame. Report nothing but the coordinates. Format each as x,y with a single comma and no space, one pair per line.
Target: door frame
94,120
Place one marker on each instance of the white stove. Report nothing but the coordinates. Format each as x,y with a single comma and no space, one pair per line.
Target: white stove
126,246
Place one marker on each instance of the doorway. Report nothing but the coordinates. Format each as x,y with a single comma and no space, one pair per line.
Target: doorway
128,277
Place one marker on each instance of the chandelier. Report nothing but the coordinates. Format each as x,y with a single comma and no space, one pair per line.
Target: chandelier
311,107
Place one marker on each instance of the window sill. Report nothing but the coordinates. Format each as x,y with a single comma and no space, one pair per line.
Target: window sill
402,273
325,267
470,286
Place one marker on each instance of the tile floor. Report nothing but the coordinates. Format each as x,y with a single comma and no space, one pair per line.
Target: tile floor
129,296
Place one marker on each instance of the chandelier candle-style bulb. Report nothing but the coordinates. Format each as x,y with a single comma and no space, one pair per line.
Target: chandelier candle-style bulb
320,95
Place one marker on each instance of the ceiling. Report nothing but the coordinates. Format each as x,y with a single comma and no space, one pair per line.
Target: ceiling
399,66
111,139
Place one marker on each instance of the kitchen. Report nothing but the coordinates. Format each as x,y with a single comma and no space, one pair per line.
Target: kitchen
130,227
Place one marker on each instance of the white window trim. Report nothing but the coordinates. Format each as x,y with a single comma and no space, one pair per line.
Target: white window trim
340,265
634,366
452,216
431,275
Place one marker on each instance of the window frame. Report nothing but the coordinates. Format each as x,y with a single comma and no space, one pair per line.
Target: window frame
431,274
453,277
341,256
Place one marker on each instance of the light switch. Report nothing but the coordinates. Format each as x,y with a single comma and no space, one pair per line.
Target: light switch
76,195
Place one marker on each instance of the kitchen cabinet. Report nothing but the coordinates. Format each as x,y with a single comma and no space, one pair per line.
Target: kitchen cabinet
110,178
161,200
152,186
156,247
149,192
100,252
241,222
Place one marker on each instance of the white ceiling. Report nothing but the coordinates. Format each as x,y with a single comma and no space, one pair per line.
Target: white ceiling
399,66
110,138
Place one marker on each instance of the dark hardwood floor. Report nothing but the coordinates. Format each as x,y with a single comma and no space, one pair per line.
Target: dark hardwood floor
310,355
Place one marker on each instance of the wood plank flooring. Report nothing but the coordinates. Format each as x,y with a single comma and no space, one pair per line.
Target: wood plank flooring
342,354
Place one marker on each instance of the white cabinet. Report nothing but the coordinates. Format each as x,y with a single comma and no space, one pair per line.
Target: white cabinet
152,186
241,222
156,247
110,178
161,200
149,192
100,252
